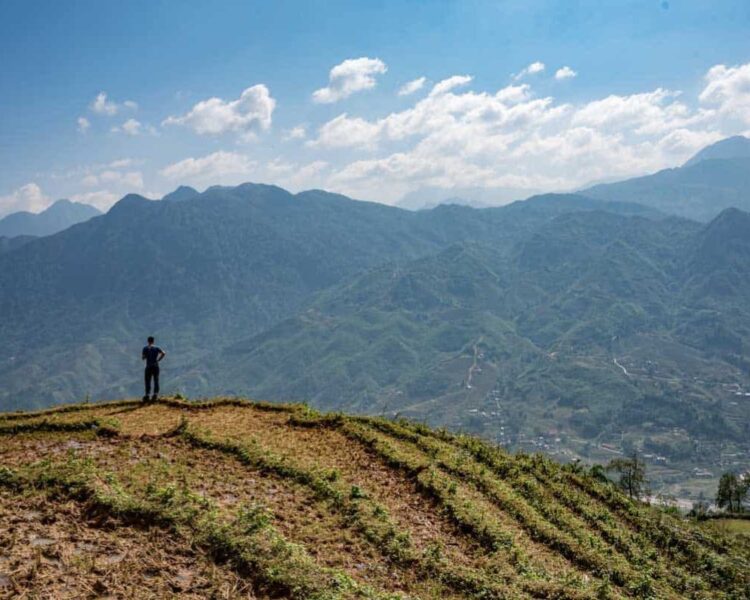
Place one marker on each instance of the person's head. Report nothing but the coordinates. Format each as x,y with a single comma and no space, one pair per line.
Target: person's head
150,340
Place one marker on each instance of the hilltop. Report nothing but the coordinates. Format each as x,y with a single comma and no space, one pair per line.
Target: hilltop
235,499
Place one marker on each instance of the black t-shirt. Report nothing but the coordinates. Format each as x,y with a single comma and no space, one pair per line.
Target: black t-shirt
151,354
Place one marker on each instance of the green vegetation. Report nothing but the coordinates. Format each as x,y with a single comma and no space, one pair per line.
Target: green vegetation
732,492
298,504
581,328
631,475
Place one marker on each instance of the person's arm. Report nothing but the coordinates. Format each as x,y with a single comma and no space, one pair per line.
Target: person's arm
162,354
143,354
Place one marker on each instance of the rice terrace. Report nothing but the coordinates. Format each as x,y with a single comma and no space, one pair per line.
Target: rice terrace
239,499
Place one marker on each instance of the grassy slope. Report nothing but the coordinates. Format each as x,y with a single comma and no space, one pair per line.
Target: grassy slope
234,499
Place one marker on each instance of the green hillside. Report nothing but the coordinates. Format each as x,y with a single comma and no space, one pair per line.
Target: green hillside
232,499
595,335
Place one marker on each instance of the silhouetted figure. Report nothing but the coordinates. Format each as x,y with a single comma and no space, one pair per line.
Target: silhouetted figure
152,355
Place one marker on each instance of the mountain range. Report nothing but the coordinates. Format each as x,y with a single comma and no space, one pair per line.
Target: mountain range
579,326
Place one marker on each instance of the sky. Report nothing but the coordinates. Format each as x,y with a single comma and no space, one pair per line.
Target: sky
379,100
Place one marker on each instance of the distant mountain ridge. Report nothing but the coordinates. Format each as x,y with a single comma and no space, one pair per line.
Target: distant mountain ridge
716,178
737,146
60,215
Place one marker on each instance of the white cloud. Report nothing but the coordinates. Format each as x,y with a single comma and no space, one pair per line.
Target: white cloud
532,69
513,139
351,76
446,85
344,131
121,163
213,167
83,124
565,73
251,112
133,127
512,94
102,105
125,180
412,86
28,197
295,133
295,177
728,89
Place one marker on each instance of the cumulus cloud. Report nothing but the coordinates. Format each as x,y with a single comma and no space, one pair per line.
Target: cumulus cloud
344,131
412,86
213,167
512,138
251,112
295,133
532,69
133,127
565,73
728,90
446,85
83,124
129,180
351,76
102,105
121,163
28,197
293,176
112,180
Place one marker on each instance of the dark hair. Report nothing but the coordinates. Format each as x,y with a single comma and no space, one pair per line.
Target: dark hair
151,339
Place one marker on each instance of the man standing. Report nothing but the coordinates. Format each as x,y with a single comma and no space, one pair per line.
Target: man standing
152,355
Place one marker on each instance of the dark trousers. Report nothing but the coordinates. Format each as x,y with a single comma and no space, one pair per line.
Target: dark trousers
152,372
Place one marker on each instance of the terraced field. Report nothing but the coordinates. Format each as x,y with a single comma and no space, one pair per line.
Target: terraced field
233,499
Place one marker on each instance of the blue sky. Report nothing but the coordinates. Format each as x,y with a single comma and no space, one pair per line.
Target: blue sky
617,88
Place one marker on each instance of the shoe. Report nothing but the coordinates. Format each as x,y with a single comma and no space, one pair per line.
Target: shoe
154,398
144,399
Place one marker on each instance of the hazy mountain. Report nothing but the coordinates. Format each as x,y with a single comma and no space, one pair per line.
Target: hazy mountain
477,197
733,147
61,215
700,190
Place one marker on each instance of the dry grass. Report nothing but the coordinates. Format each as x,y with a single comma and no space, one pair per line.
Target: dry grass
52,549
